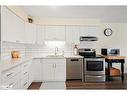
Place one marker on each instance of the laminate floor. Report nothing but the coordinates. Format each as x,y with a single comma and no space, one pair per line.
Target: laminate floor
79,85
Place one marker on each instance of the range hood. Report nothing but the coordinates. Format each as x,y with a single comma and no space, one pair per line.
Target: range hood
88,38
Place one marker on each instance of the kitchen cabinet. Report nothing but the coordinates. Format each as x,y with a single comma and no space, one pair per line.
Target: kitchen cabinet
26,75
30,33
36,70
18,77
13,27
60,71
89,31
54,32
48,72
72,35
54,69
11,77
40,34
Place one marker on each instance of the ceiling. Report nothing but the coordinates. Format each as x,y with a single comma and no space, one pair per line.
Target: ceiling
105,13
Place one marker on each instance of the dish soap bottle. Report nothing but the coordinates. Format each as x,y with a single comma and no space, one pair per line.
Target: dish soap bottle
75,51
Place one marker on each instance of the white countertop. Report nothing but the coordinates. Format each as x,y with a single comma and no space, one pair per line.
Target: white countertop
8,64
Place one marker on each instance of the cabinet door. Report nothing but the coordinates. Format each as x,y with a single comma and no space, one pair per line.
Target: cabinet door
60,72
72,35
75,34
48,72
12,27
20,29
40,34
60,33
55,32
36,70
8,25
50,33
30,33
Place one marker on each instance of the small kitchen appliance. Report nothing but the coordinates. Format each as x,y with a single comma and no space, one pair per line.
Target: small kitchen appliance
110,51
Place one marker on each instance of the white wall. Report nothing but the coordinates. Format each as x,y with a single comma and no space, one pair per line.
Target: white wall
66,21
117,40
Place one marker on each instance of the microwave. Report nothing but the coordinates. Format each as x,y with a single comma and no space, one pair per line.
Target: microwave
105,51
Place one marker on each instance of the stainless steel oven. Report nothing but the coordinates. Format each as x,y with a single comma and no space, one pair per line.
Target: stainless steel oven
94,69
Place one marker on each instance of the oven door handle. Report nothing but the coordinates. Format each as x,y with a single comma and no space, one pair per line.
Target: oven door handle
96,76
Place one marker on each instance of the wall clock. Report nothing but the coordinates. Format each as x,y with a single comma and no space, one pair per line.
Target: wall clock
108,31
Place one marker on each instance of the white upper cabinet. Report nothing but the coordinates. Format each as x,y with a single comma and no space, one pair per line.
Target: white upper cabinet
30,33
89,31
20,29
13,27
60,33
54,32
40,34
72,35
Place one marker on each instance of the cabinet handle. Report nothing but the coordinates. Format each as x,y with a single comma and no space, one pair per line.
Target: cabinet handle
25,65
54,65
17,41
25,84
25,73
11,84
9,74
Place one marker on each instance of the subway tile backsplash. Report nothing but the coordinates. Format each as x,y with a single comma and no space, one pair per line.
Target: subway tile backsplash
32,50
39,50
7,47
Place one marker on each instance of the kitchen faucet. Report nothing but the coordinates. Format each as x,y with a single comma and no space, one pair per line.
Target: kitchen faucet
56,50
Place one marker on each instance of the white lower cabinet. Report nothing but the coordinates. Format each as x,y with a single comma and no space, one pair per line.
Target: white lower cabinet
26,78
13,83
54,69
48,72
11,78
36,70
60,72
18,77
25,82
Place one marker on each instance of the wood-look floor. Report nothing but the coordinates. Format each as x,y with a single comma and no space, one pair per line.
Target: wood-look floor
78,84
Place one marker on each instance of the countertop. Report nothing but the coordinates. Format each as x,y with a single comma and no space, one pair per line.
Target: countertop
114,57
8,64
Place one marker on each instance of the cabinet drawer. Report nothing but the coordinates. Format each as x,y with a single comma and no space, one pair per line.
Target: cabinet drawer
13,82
25,82
24,73
25,66
10,73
